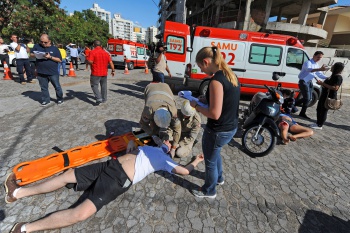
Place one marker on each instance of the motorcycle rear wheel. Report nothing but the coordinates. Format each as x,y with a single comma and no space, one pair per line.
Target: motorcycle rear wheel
262,144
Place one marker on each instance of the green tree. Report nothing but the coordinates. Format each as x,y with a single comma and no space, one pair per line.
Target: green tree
6,9
85,27
31,18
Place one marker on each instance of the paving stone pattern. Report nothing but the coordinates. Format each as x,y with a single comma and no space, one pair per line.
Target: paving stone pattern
302,187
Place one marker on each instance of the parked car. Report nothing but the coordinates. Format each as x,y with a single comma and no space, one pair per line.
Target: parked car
12,56
81,57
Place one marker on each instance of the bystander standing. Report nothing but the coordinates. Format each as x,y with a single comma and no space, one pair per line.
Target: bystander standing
87,51
47,62
63,62
23,64
73,54
4,53
99,60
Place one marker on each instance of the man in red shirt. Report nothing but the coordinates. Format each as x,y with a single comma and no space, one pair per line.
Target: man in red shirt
99,60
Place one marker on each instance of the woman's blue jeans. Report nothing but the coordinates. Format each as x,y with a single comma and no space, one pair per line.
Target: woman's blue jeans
212,142
63,64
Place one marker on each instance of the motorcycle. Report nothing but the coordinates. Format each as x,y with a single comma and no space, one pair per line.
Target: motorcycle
261,130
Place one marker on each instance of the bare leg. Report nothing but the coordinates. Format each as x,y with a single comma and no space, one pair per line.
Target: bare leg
301,131
63,218
284,132
49,185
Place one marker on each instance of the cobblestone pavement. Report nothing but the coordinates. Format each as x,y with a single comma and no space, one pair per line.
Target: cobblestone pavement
302,187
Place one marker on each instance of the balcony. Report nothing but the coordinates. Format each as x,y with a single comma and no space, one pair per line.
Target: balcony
297,30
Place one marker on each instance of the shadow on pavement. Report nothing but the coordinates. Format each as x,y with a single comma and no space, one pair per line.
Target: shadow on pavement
131,87
344,127
34,95
117,127
84,96
316,221
178,180
129,93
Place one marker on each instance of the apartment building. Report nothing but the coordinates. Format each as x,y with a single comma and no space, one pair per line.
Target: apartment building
122,28
150,34
102,14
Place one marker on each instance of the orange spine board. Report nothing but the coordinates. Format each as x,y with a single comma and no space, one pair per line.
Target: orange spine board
31,171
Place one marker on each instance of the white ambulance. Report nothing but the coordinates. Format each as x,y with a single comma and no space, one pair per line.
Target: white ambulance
134,54
253,56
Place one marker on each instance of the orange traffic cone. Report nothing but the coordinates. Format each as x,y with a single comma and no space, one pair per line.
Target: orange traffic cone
126,71
146,68
7,72
71,70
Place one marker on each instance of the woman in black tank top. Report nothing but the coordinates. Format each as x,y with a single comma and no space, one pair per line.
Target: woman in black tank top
222,98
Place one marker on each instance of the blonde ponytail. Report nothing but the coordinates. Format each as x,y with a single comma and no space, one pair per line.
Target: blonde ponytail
215,54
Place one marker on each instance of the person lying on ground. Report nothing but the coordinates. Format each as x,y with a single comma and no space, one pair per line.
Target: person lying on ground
287,124
101,182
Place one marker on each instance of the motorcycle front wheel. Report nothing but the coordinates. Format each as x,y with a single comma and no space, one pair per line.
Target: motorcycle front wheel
258,144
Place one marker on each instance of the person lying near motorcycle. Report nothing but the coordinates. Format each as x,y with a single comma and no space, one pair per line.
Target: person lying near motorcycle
287,124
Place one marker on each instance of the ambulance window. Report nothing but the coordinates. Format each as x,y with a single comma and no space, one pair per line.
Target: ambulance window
265,55
175,44
111,47
296,58
140,51
119,48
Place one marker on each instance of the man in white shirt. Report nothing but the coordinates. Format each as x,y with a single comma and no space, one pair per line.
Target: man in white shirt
101,183
308,72
74,54
22,60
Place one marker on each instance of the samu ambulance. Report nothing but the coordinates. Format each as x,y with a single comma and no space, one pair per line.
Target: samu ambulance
253,56
134,54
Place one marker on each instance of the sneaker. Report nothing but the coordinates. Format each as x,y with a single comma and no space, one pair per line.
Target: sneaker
17,228
315,126
60,102
98,103
32,81
10,186
43,104
304,116
221,182
200,194
23,83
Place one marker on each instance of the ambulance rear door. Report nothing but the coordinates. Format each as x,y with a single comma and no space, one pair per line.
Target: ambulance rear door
118,53
177,39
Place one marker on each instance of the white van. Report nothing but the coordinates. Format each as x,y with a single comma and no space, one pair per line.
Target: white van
12,56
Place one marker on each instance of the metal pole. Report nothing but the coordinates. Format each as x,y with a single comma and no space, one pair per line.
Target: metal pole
247,15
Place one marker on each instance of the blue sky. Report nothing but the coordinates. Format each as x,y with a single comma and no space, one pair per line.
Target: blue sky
143,12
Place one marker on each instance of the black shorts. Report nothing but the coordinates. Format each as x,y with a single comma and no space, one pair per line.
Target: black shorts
102,182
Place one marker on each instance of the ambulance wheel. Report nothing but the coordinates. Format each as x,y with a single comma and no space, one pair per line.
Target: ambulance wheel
313,100
203,87
130,65
14,62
